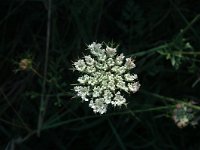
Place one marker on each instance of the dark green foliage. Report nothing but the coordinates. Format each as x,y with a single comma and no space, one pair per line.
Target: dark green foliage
163,36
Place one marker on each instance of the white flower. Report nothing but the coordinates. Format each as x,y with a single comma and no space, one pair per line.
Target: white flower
129,63
96,50
118,78
118,100
97,91
92,81
122,70
108,96
98,105
83,79
90,69
121,85
89,60
82,92
101,66
111,85
104,84
118,69
110,51
102,56
133,87
129,77
119,59
105,77
80,65
115,69
110,62
94,46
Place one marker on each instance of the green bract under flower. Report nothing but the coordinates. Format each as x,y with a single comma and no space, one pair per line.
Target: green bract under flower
105,76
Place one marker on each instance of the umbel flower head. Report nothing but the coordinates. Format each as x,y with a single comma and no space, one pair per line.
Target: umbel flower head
183,115
105,76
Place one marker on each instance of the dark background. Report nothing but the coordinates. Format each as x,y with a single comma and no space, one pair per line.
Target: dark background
137,26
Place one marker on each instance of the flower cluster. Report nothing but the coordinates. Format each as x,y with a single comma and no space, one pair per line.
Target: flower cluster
183,115
105,76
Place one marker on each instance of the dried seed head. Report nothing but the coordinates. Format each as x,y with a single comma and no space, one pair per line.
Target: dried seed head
25,64
182,115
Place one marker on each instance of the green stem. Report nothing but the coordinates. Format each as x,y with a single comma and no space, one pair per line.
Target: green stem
54,125
187,53
150,50
172,100
43,102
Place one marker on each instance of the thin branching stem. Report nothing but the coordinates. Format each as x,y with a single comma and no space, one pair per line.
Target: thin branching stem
43,102
15,111
172,100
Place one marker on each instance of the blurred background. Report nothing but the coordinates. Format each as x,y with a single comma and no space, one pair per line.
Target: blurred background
39,41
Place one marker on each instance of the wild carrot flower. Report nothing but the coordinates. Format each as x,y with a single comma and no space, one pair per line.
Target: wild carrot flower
105,76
